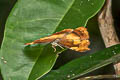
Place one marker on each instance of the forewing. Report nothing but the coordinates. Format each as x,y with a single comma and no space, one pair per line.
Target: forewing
81,32
51,38
76,40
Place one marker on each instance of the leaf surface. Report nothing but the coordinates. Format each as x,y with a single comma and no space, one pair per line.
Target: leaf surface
31,20
85,64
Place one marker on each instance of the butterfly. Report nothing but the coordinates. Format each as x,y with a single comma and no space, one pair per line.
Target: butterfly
74,39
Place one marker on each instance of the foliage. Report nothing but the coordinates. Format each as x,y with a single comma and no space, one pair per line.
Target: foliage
33,19
85,64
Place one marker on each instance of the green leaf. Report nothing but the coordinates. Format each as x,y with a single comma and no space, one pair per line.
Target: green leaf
85,64
5,7
33,19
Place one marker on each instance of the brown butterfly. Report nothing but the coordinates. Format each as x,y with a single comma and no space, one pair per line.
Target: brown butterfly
75,39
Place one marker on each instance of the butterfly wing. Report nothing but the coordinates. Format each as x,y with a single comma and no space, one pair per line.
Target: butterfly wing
51,38
76,40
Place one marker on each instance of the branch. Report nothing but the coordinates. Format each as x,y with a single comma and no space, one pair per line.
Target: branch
106,25
107,29
100,77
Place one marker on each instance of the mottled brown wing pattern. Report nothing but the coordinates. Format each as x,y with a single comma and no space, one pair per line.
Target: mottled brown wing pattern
51,38
76,39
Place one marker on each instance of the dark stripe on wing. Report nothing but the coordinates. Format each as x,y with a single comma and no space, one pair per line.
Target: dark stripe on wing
64,31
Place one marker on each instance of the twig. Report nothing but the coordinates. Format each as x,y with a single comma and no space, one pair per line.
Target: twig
100,77
106,25
107,29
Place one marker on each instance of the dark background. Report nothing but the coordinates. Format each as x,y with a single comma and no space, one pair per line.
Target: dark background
95,36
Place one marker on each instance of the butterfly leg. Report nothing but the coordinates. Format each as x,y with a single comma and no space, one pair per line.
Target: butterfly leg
54,47
54,44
